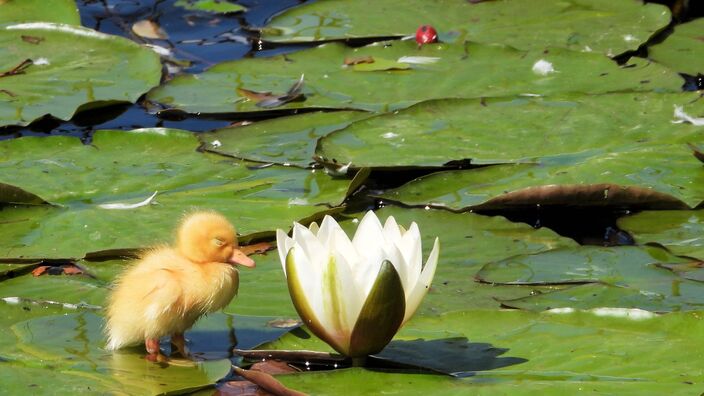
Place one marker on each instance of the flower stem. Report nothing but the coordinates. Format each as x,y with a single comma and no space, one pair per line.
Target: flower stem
359,361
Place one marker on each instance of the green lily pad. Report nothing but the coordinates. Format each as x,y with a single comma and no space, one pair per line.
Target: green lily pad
462,70
216,6
12,313
565,354
637,272
74,343
58,11
691,270
60,289
604,26
17,379
62,68
434,133
683,49
286,140
587,264
598,295
127,167
646,176
682,232
263,291
11,270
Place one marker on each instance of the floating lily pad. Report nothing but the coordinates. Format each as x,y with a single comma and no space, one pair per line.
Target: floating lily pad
598,295
682,50
126,167
636,271
62,68
12,313
216,6
263,291
487,131
286,140
605,26
58,11
463,70
693,270
74,343
644,176
564,353
682,232
11,270
59,289
588,264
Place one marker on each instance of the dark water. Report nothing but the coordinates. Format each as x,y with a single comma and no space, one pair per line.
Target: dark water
199,38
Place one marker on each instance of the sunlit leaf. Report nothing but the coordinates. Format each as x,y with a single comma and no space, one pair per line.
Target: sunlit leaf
126,167
611,27
682,232
58,11
286,140
559,130
463,70
683,50
70,66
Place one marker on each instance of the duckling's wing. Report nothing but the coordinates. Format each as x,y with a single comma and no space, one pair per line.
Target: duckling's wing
165,296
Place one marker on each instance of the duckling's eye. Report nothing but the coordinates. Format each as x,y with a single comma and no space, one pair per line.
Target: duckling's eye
218,242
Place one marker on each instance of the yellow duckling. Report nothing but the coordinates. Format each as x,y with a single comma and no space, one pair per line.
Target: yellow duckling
168,289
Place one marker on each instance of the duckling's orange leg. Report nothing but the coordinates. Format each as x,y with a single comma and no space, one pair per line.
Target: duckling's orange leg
179,341
153,352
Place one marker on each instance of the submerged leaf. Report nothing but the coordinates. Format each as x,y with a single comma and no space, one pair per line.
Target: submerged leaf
149,29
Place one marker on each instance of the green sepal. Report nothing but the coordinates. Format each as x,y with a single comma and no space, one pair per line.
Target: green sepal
381,314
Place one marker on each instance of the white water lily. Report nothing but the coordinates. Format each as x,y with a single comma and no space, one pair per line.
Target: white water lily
355,294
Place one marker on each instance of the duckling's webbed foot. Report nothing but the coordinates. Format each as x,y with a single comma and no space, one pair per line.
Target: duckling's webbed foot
179,342
153,351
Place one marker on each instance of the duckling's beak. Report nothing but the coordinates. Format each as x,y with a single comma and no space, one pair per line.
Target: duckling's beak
238,257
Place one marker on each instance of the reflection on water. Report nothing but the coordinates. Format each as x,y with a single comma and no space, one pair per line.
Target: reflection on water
75,342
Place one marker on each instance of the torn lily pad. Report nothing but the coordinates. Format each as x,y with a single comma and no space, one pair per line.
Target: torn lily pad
681,232
69,67
683,50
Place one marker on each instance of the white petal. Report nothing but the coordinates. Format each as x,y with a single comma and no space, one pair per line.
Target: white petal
283,244
336,240
313,227
369,242
421,287
314,249
327,229
350,296
310,280
411,248
392,232
396,257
